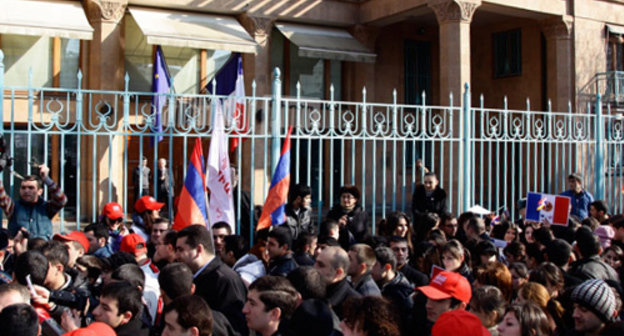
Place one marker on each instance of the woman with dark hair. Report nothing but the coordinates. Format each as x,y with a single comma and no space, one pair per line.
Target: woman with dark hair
614,256
454,259
369,316
524,320
506,231
397,224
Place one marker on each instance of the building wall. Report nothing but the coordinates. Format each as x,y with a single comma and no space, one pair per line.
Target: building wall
516,88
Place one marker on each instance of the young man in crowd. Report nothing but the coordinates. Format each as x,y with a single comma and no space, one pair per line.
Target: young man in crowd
280,256
270,300
97,234
187,315
361,262
219,231
120,307
215,282
77,245
447,291
594,307
31,211
298,211
247,265
394,285
333,263
399,246
136,246
164,251
580,197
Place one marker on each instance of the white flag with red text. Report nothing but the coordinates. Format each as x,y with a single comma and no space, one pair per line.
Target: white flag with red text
218,174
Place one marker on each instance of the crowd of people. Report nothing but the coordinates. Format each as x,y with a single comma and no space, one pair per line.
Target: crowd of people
430,272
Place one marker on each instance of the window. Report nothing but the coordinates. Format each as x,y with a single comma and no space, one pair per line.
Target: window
615,53
23,53
309,72
183,63
507,53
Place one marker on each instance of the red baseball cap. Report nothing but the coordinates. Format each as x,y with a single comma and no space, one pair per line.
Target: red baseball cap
93,329
459,322
446,285
76,236
112,210
133,244
147,203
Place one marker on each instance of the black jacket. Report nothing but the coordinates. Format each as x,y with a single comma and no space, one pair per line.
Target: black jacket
298,223
224,291
283,265
414,276
593,268
367,286
135,327
421,204
338,293
399,292
304,259
357,222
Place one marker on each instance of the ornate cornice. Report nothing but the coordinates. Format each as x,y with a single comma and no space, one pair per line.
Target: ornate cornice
111,11
454,10
558,28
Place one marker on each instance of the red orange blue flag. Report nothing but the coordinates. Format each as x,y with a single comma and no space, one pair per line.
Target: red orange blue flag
273,212
192,203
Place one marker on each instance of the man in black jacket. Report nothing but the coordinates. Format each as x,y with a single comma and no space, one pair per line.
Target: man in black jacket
278,246
590,266
298,211
333,263
429,197
214,281
120,307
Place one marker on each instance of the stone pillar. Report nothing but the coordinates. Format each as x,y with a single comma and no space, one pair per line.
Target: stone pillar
106,50
454,18
256,67
559,62
105,72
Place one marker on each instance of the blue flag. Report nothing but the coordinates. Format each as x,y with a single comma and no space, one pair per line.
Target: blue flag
226,77
161,84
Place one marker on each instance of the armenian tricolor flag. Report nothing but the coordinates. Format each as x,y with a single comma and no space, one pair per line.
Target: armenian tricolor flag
192,203
273,212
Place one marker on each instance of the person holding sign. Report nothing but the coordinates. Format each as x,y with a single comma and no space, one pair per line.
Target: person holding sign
580,198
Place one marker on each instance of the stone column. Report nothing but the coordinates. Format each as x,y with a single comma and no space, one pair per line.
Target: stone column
105,71
256,67
559,62
454,18
106,50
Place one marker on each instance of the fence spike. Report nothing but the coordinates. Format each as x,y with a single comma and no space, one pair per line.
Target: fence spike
126,81
298,86
331,92
394,96
424,97
253,88
481,100
364,94
549,105
505,102
569,106
528,104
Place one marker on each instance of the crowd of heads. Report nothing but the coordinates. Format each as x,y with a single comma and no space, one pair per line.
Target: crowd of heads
429,272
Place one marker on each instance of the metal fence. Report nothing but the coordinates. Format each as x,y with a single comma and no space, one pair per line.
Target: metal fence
94,139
